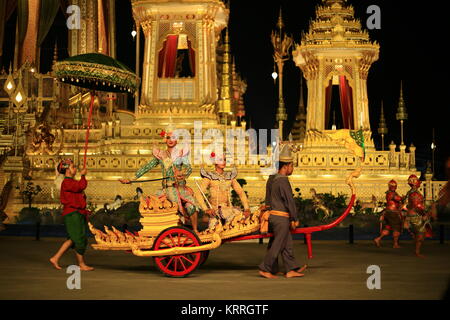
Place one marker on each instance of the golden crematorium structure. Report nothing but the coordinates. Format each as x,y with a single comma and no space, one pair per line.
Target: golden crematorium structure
187,75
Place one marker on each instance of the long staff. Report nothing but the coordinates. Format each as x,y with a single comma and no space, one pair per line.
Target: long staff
91,107
206,199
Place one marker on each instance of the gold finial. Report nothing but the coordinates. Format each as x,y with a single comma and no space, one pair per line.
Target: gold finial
301,105
382,127
226,86
227,37
402,114
280,23
55,53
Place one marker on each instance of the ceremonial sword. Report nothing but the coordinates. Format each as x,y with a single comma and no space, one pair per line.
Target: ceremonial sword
159,179
217,214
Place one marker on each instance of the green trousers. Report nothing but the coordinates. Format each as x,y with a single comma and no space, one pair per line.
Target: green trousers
76,226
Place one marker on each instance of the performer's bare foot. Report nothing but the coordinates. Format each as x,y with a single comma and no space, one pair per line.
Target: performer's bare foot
294,274
84,267
55,264
377,242
267,275
300,270
418,255
396,246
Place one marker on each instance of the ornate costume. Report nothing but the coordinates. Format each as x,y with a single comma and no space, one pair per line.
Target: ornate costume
391,215
175,168
417,220
392,197
74,212
219,187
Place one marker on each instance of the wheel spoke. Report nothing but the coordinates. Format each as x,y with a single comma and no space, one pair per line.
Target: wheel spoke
171,239
167,244
185,239
182,264
170,261
190,261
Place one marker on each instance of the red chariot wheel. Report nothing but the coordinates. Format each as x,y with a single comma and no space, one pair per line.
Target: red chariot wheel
177,265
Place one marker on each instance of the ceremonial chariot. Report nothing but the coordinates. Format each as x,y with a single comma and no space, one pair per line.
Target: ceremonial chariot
178,251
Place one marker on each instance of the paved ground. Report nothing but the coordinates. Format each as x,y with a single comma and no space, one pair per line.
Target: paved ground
338,271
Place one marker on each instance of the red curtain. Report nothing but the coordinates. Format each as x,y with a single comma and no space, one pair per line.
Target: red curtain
346,102
191,58
167,57
350,98
170,57
328,91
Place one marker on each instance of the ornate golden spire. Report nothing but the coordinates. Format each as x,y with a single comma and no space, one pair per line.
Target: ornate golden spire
335,22
299,128
226,86
402,114
382,127
281,44
280,23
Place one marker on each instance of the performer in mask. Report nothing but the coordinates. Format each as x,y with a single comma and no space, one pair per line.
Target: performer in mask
175,169
392,215
218,184
417,219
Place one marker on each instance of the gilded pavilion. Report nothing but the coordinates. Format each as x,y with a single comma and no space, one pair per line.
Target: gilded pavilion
187,74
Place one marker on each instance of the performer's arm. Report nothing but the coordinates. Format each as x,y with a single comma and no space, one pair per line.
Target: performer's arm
72,185
286,191
241,193
204,185
146,168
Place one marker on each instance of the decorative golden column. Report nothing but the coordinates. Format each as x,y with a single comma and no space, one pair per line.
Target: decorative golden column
402,114
138,64
281,45
29,45
382,127
224,103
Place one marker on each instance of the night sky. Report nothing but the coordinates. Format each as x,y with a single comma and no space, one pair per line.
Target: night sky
411,49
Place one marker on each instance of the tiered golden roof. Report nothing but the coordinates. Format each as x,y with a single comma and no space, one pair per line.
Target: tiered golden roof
335,22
